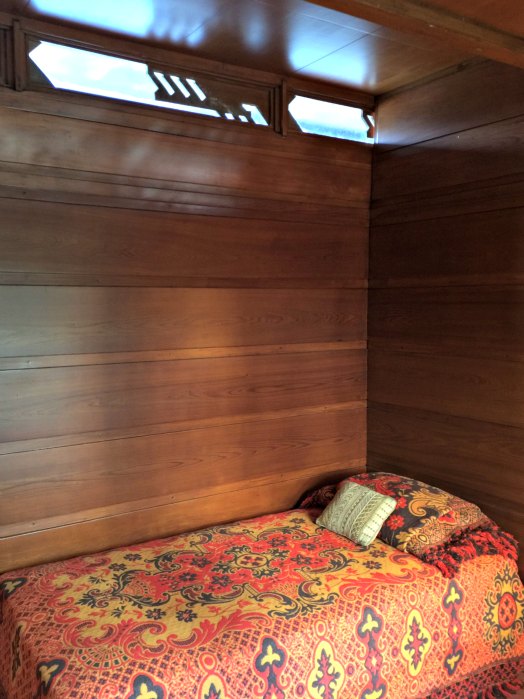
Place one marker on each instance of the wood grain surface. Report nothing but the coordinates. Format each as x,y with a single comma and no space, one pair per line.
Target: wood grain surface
69,400
446,314
476,31
489,93
63,320
182,322
98,245
180,464
305,41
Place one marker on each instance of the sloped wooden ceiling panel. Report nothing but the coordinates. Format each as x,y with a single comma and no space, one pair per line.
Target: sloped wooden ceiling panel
506,15
287,37
470,26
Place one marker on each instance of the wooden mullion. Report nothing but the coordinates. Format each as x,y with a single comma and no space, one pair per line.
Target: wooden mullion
4,71
19,57
284,109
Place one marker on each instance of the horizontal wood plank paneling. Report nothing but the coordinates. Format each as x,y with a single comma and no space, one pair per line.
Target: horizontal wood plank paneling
65,320
476,460
87,108
96,246
485,321
47,361
473,155
451,448
153,522
483,389
446,313
445,202
179,466
69,400
48,140
53,442
182,322
146,194
472,96
506,17
450,250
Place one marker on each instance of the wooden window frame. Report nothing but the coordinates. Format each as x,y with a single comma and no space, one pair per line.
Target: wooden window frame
280,89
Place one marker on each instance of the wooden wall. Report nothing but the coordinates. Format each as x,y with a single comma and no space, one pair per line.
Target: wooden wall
182,321
446,316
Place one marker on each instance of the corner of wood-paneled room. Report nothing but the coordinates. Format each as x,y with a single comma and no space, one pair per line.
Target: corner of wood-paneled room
446,316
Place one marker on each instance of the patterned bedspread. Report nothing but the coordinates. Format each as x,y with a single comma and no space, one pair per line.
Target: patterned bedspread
271,608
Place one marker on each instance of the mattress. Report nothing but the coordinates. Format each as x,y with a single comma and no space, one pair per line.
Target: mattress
274,607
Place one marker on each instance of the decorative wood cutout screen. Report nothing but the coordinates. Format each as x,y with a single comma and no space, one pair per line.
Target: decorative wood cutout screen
63,67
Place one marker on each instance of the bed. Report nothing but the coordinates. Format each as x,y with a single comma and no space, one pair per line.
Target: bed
274,607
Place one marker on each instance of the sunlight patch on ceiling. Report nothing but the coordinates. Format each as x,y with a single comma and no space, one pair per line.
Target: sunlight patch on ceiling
135,18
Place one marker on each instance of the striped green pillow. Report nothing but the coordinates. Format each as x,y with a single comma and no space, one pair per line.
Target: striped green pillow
357,513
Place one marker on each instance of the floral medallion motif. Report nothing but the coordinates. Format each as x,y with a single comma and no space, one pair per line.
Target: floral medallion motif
16,662
10,586
47,672
369,631
145,687
7,588
213,688
415,643
327,676
269,663
452,602
504,617
104,656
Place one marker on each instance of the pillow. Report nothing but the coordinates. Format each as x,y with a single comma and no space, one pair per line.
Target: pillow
357,513
318,497
425,517
437,527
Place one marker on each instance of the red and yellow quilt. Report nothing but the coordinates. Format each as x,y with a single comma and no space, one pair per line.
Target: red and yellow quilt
271,608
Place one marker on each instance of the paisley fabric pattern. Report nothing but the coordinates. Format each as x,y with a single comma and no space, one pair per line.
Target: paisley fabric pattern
433,525
425,516
274,608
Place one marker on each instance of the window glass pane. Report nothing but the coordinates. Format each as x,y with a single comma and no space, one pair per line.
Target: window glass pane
68,68
329,119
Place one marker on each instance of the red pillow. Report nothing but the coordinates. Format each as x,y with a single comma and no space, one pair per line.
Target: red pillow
425,516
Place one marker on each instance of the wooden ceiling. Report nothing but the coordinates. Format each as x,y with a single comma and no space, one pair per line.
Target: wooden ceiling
373,45
506,16
489,28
